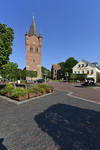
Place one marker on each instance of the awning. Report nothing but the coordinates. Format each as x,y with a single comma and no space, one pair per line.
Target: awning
90,76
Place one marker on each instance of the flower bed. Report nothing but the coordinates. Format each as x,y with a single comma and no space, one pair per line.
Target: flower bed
22,94
21,98
7,90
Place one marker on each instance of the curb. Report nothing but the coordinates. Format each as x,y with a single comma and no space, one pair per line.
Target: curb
22,102
70,94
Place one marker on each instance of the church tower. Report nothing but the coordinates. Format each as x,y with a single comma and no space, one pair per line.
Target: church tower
33,50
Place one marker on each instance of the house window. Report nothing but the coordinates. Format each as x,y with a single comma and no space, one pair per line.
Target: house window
74,72
78,72
82,65
33,60
91,71
87,71
79,65
31,49
36,50
86,65
82,72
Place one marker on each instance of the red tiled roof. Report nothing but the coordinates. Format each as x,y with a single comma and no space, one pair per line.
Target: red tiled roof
56,67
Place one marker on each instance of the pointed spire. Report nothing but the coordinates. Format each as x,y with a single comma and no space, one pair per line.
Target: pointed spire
27,32
40,35
33,30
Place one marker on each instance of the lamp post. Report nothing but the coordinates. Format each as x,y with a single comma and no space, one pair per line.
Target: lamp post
66,74
61,75
45,73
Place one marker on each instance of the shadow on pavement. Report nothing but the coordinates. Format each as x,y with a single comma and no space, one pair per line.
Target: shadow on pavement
2,147
70,127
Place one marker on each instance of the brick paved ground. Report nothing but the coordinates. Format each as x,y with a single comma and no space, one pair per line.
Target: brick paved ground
91,93
54,122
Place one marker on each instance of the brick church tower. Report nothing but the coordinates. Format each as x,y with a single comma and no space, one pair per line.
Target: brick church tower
33,50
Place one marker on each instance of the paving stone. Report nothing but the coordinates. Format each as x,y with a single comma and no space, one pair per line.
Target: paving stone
54,122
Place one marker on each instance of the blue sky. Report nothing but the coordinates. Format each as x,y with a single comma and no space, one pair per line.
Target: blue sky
70,28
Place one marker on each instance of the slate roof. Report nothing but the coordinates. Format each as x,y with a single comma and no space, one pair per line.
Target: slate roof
33,30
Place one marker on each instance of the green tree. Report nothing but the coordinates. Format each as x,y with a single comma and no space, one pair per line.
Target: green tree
81,77
19,74
69,64
9,71
6,39
30,73
43,69
22,74
72,76
62,65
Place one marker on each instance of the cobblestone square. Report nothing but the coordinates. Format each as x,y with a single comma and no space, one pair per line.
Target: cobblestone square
53,122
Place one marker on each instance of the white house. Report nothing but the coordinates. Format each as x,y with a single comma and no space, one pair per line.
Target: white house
91,69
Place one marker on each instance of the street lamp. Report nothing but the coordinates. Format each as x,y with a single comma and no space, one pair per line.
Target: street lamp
66,74
61,75
45,73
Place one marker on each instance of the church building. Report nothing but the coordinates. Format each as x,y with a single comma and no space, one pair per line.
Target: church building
33,43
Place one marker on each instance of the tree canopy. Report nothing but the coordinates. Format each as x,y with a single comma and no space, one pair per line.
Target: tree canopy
47,70
6,39
9,71
68,64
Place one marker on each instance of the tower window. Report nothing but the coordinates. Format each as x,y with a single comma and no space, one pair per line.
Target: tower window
31,49
36,50
33,60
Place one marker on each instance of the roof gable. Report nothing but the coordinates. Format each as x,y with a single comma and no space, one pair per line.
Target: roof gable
85,62
56,67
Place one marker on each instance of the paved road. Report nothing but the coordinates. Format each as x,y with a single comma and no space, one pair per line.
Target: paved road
90,93
54,122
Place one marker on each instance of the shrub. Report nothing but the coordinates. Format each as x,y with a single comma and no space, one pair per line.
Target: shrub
72,81
2,86
18,92
37,90
42,90
44,86
8,88
31,90
51,87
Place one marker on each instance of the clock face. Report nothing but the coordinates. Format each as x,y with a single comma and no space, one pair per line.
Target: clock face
33,43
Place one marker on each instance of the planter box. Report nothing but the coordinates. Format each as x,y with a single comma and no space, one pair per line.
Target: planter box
52,90
40,94
48,90
30,95
8,94
36,95
20,98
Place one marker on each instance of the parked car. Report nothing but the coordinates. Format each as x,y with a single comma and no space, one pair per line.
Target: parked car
39,81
